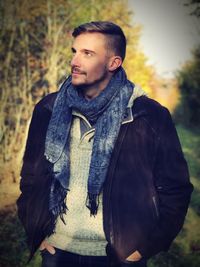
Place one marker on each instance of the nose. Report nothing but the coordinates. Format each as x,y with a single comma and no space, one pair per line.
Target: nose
75,61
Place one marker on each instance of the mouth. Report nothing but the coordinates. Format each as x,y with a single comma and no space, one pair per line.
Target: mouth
76,71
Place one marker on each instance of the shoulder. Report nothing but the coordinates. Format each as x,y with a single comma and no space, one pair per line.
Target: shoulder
150,107
148,103
43,109
157,116
47,102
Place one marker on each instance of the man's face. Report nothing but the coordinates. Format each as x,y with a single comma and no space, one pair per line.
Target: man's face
90,62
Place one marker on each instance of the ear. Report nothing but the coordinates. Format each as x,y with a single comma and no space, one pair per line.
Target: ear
114,63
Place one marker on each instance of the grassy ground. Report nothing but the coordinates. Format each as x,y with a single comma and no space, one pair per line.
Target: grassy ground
185,251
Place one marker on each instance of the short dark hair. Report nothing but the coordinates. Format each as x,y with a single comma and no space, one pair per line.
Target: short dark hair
116,39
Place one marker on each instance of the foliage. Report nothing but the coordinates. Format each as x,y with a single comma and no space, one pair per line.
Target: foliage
35,41
34,58
11,230
166,92
188,111
184,252
195,4
13,241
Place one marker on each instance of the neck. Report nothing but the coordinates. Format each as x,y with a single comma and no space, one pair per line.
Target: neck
92,91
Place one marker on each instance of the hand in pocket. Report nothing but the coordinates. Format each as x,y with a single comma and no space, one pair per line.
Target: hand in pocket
48,247
135,256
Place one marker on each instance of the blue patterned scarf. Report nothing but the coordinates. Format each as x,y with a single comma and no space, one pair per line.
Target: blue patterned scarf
107,111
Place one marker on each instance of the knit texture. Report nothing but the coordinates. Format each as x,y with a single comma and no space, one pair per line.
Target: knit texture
83,234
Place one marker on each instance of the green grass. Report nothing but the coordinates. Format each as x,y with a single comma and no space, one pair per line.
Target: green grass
184,252
13,242
191,147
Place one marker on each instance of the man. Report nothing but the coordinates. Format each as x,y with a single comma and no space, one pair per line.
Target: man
104,181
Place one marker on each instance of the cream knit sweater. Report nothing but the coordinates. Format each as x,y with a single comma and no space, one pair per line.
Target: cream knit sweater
83,234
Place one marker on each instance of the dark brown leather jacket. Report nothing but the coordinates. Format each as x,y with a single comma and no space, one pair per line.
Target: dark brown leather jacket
146,193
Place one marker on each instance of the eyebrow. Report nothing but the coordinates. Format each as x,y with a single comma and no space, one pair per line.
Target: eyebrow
83,50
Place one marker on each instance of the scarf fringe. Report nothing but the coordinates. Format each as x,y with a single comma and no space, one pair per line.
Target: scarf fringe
57,204
92,203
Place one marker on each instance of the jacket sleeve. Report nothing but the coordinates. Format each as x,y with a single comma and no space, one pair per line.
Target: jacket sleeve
32,160
173,189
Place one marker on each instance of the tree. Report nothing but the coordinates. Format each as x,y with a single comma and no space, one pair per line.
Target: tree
195,5
35,53
188,111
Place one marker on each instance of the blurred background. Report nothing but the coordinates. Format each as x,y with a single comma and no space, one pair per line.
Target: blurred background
163,57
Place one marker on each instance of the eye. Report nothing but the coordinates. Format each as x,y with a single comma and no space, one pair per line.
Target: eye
88,54
73,50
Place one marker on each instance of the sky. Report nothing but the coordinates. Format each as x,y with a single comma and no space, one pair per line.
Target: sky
168,34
